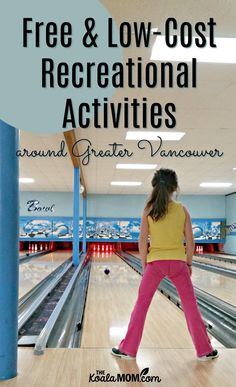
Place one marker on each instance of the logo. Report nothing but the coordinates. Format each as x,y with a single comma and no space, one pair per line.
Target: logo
102,376
34,206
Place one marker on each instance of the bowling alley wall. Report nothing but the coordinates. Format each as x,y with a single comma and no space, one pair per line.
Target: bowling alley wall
230,214
117,217
61,204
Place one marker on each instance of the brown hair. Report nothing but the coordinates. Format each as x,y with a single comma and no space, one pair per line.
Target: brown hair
164,183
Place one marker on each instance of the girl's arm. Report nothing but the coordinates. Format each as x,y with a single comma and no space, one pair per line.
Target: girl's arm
143,239
189,239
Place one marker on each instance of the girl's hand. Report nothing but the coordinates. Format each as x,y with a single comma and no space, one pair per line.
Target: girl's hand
144,264
190,270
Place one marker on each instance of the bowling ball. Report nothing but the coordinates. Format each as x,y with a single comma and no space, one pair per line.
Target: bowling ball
106,271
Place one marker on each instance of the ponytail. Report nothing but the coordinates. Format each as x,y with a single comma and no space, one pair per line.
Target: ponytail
164,183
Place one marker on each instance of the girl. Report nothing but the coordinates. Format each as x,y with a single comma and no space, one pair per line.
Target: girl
167,223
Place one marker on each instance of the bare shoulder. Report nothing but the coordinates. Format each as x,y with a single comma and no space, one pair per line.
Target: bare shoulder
187,215
185,210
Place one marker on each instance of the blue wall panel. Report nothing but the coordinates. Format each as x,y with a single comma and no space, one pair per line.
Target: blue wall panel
205,206
230,245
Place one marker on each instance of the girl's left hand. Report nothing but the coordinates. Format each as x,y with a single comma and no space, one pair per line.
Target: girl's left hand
190,270
144,266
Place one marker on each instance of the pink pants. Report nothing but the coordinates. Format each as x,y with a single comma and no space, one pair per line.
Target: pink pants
178,273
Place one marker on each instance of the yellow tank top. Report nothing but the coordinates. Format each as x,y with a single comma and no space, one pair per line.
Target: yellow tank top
167,235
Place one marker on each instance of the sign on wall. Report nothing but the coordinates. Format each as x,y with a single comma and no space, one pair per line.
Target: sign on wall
107,229
36,206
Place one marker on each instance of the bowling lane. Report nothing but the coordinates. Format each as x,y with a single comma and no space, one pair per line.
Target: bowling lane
226,265
34,271
216,284
223,255
110,301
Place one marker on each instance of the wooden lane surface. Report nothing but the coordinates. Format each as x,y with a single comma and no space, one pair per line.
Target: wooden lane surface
34,271
72,368
216,284
110,301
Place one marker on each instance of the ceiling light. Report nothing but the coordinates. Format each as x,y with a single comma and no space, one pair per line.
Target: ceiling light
145,135
215,185
26,180
225,52
126,183
136,166
234,169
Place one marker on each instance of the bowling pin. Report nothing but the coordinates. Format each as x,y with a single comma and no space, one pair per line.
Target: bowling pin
41,247
36,247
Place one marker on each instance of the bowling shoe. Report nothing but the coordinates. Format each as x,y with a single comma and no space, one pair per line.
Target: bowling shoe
118,353
210,356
